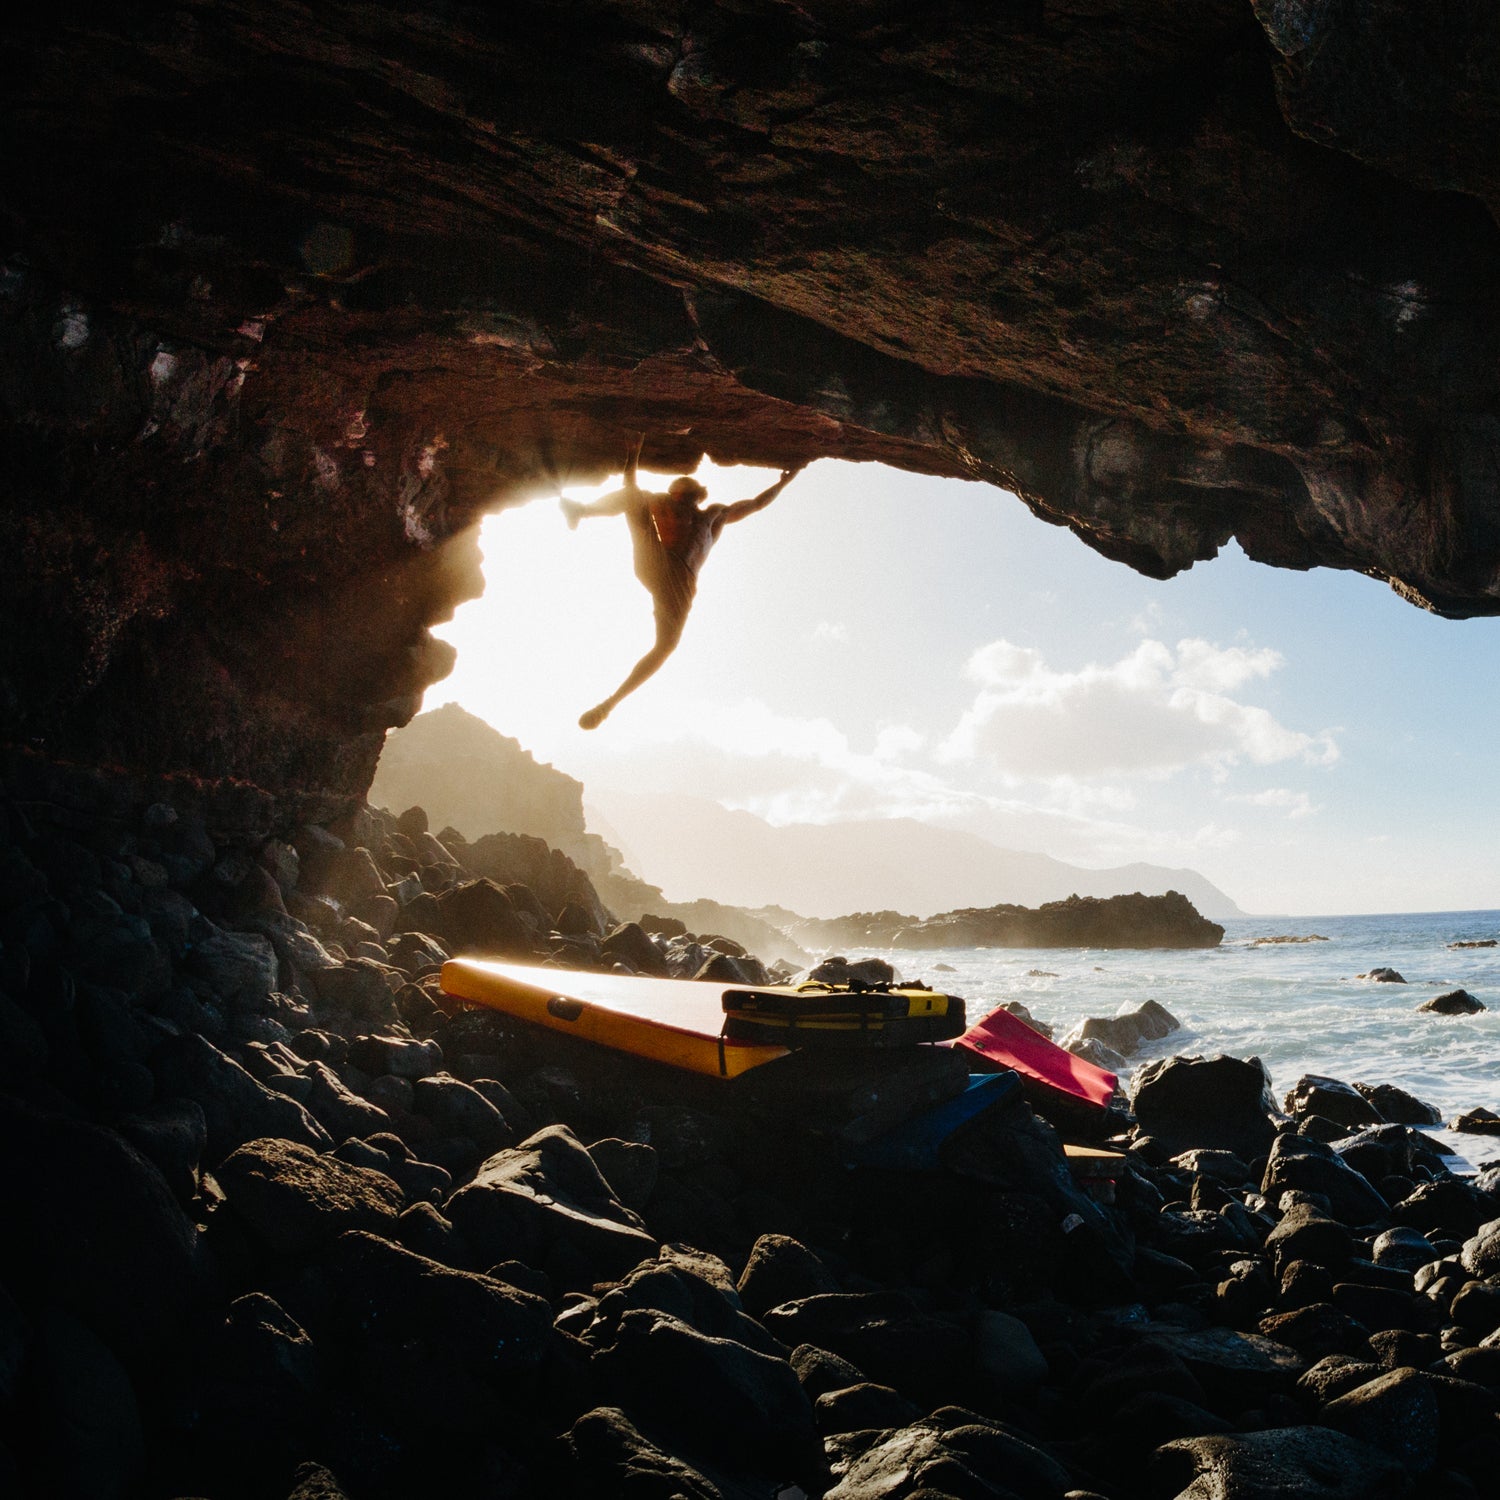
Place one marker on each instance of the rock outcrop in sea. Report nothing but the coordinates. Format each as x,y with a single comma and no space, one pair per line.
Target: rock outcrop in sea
293,1229
1133,921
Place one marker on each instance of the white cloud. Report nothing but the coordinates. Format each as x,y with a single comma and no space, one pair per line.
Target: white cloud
1149,619
1294,804
1155,711
831,630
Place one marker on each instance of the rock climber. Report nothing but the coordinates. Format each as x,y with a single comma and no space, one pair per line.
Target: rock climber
672,535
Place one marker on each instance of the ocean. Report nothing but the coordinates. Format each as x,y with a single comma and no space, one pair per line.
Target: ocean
1296,1006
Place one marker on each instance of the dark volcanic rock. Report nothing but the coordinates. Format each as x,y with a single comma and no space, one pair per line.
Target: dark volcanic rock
439,1347
296,1200
546,1204
966,1459
780,1269
1134,921
236,1108
1218,1102
881,1333
611,1457
103,1238
1309,1463
1397,1412
1453,1003
1399,1107
1297,1163
709,1391
1316,1095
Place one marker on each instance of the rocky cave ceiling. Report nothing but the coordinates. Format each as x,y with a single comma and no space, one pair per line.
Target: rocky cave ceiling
292,293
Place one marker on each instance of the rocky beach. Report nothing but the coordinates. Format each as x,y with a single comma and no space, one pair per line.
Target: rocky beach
296,1227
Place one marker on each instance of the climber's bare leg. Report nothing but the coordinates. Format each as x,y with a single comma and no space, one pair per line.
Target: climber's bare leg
669,623
619,502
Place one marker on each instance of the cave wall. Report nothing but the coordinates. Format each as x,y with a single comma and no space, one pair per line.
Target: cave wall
292,295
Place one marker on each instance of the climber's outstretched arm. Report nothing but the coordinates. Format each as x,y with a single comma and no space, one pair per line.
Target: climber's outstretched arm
743,508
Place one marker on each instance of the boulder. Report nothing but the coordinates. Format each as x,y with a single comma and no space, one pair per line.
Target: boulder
1382,976
629,944
1481,1252
415,953
236,968
1396,1412
1454,1003
1094,1051
339,1110
1006,1352
819,1372
1306,1234
1316,1331
862,1407
402,1057
1402,1248
1398,1106
672,1375
172,1134
629,1167
1235,1370
251,1393
969,1459
883,1334
1297,1163
296,1201
1121,1034
1314,1094
104,1237
1479,1121
478,917
357,996
459,1109
81,1414
781,1269
840,971
694,1288
546,1204
1333,1376
435,1347
235,1107
1297,1463
610,1456
1447,1208
1219,1102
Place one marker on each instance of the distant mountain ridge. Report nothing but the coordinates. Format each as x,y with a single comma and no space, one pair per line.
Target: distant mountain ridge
831,869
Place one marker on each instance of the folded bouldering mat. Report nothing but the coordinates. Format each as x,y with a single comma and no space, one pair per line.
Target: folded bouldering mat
916,1144
678,1022
1049,1073
820,1015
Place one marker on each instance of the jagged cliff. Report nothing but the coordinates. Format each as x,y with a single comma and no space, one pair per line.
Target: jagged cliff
291,294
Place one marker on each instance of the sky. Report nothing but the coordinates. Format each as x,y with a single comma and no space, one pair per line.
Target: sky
880,644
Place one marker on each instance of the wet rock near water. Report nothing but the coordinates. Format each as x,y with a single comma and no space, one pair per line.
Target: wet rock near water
1121,1037
1453,1003
296,1227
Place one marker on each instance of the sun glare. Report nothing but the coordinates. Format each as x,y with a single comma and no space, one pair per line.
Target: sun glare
562,618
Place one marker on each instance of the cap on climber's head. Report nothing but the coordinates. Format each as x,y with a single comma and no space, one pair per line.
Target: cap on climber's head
685,488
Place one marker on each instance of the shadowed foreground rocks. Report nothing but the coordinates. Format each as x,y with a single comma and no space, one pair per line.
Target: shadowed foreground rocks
283,1226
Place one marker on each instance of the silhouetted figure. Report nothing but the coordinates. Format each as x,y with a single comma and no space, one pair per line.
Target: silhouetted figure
673,535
